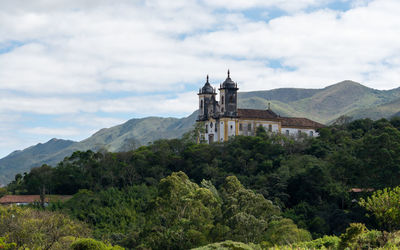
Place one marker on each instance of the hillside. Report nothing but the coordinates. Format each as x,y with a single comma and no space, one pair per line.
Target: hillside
384,110
22,160
247,189
124,137
326,105
322,105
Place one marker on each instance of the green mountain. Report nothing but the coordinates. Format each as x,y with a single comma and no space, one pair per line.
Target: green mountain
323,105
327,104
124,137
22,160
384,110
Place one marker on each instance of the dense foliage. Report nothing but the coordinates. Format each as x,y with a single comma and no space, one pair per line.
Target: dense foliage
35,229
266,189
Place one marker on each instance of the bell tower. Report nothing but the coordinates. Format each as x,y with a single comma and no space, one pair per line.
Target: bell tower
206,101
228,97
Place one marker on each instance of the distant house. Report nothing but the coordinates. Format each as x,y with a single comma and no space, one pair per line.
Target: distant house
361,190
30,199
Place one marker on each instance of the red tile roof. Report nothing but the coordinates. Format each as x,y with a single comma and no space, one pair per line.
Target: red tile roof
9,199
286,121
300,123
257,113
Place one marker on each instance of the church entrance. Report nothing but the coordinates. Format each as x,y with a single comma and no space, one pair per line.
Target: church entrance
210,138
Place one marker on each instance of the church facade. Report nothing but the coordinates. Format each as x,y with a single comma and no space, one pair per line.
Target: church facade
222,119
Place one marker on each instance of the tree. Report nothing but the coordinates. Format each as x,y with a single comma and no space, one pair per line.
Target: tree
245,212
3,191
34,229
385,206
92,244
285,232
4,244
184,213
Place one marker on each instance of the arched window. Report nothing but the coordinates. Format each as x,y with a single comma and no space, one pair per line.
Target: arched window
270,128
201,104
231,99
222,100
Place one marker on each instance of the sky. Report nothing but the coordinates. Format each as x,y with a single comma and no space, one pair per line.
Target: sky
71,67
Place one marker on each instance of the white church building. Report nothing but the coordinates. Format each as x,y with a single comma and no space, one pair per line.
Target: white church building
222,119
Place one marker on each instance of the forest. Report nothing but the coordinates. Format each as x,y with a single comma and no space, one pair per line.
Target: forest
336,191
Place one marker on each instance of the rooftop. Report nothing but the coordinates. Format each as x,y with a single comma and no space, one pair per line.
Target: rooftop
300,122
9,199
257,113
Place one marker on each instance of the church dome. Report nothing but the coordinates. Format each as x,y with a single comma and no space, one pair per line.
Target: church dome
207,88
228,83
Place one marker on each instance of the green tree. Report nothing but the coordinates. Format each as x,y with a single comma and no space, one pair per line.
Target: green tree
184,214
4,244
385,206
92,244
34,229
285,232
245,212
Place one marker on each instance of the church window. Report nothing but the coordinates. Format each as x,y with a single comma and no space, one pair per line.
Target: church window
201,104
287,132
231,99
311,133
270,128
206,128
222,109
211,125
299,132
222,100
215,128
240,127
249,126
231,127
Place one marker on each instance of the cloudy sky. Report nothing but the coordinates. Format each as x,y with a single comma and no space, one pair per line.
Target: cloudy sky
71,67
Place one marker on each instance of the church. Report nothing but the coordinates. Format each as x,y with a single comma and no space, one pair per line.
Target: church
222,119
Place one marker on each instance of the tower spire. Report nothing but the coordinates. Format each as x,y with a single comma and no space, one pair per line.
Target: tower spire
207,78
229,74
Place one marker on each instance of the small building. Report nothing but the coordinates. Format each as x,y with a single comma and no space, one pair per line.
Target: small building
30,199
222,119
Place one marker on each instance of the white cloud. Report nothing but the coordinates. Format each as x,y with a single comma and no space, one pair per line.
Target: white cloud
76,58
287,5
90,120
142,105
65,132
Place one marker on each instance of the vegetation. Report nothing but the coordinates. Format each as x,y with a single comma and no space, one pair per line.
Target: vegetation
35,229
263,191
345,99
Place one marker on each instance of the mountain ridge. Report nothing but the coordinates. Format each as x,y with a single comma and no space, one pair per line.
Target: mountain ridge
323,105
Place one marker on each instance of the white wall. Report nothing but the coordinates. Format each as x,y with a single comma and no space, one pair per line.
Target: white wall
294,131
211,130
275,127
231,128
221,131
